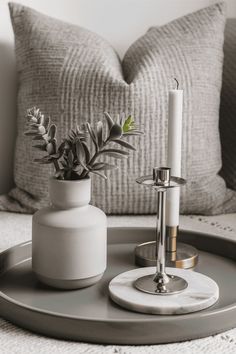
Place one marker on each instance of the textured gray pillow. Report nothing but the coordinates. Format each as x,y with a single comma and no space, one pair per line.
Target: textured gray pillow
75,75
228,106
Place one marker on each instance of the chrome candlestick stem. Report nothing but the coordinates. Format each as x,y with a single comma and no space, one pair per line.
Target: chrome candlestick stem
160,276
179,255
161,283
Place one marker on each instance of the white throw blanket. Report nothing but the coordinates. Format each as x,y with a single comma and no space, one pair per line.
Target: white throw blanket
16,228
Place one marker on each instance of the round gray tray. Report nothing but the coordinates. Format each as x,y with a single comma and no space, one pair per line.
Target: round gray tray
89,315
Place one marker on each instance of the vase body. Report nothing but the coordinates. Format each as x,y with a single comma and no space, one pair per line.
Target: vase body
69,238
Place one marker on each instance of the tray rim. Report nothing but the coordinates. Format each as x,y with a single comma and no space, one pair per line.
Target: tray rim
152,318
126,331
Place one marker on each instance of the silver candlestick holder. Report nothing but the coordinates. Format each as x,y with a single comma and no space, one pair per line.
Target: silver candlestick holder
178,254
160,282
137,289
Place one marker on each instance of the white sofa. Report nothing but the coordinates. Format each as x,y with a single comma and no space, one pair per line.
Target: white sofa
121,22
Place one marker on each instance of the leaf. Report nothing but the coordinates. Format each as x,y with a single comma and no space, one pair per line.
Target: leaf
62,147
47,158
68,175
64,164
59,174
47,138
86,150
34,125
125,144
46,122
132,133
102,166
33,111
116,155
99,174
115,132
97,166
41,130
109,120
32,119
81,133
128,124
99,134
121,152
92,134
80,154
38,137
43,161
77,174
65,146
79,151
51,148
78,168
41,119
55,156
40,147
70,159
52,131
30,133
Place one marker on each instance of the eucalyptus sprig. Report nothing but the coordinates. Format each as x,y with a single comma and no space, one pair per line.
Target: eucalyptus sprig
81,152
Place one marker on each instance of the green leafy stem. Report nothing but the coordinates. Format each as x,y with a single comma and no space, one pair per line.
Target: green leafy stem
75,158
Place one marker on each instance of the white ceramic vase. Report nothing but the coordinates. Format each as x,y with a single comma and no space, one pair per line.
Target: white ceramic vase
69,238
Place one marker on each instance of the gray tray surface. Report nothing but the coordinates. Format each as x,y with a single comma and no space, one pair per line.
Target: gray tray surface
89,315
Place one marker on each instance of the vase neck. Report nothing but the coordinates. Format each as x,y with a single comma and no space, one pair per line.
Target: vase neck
70,194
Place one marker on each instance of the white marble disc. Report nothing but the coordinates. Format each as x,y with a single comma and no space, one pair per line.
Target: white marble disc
202,292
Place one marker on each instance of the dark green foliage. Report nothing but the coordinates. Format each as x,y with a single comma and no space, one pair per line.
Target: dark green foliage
73,159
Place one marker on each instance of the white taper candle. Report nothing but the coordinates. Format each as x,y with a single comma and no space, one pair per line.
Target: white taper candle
174,153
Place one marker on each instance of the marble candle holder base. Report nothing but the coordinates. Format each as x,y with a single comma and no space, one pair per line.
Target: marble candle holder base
202,292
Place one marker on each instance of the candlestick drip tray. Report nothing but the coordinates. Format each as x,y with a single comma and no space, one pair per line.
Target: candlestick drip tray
90,315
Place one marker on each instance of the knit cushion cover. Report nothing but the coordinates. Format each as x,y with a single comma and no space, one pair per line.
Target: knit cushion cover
74,75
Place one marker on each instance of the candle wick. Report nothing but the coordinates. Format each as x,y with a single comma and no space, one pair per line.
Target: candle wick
177,82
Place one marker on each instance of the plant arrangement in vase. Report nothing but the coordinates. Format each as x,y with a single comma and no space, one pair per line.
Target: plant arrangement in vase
69,237
75,157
